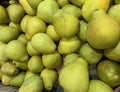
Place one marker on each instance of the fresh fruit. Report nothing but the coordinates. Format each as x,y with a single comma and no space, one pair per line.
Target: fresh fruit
28,9
24,21
52,60
113,53
34,25
15,12
9,69
29,74
99,86
8,33
46,45
73,10
49,78
18,79
6,79
103,32
16,50
45,10
74,77
91,55
69,45
34,3
32,84
31,51
52,33
89,6
22,38
17,25
66,24
21,65
109,72
114,12
35,64
70,58
82,31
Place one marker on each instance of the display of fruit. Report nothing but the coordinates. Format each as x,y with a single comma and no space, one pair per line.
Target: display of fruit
61,45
